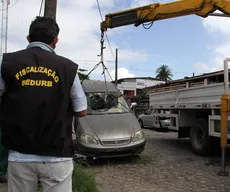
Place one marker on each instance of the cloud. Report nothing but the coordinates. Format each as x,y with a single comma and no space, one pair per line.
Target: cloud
217,24
219,53
79,37
133,55
202,67
121,73
219,27
138,3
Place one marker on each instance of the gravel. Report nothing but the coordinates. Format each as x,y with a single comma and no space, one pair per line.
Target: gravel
173,168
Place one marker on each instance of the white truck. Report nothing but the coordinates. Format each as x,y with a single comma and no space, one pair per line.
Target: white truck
193,108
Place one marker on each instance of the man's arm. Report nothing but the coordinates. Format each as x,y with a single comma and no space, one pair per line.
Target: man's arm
2,83
78,97
81,113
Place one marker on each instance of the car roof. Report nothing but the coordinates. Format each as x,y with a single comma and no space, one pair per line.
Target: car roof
98,86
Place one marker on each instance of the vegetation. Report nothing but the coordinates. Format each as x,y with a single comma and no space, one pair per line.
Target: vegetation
82,75
82,181
164,73
142,159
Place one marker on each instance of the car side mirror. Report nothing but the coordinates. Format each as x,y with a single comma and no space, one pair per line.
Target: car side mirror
133,105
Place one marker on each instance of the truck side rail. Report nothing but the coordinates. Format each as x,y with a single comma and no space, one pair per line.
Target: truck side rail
205,96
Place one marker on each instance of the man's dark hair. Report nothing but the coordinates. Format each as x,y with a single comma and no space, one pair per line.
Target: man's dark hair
43,29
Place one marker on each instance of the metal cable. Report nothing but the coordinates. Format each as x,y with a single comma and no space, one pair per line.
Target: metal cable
40,11
95,67
107,38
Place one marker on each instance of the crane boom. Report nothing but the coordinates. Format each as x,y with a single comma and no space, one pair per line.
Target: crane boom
158,11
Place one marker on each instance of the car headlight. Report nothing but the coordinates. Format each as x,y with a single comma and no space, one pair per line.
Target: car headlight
138,136
89,139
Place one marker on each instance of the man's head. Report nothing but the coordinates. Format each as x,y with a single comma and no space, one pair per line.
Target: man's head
44,29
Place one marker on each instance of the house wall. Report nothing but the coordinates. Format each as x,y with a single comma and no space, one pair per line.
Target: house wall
142,83
129,86
134,84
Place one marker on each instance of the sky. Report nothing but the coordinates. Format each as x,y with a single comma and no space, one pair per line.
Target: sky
188,44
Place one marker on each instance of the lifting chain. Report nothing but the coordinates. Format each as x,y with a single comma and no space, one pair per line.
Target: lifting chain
102,47
100,55
102,58
102,51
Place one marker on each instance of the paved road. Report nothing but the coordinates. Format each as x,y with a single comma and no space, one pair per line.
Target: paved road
174,168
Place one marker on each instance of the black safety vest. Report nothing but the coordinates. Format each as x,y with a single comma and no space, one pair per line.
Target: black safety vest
36,110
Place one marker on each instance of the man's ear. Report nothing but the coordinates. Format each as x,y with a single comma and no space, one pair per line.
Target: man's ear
55,41
28,38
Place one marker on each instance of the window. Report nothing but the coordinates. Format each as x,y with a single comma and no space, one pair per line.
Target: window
148,112
106,103
129,93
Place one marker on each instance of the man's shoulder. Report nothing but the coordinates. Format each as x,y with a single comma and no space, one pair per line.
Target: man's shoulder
65,59
14,52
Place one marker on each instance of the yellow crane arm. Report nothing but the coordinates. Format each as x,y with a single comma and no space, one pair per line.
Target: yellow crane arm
157,11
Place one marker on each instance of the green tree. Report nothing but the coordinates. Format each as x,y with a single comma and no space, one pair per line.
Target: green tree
82,75
164,73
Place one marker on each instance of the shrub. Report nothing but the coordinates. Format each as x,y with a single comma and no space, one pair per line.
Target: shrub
82,181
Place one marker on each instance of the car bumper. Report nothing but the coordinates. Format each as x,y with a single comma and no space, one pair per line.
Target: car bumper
101,151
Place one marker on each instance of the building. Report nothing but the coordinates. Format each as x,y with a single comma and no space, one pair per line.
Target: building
206,78
133,86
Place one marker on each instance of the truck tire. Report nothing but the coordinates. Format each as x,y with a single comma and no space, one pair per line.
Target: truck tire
199,137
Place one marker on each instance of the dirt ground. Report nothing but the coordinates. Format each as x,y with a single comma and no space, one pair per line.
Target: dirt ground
173,168
166,165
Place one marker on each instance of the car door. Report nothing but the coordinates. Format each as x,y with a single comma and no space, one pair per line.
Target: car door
148,118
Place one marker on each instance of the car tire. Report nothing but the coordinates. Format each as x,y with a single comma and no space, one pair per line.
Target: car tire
141,123
199,137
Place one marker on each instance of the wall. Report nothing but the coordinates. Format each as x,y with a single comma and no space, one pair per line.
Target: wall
127,86
134,84
142,83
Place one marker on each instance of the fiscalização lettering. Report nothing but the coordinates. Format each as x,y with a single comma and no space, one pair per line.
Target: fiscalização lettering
31,82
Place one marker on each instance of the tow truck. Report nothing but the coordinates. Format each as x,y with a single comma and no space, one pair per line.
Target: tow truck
200,112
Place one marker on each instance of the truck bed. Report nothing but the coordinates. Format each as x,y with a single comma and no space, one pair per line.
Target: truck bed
202,96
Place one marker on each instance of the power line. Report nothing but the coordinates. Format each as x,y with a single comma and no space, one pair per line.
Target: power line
98,5
145,71
99,9
89,61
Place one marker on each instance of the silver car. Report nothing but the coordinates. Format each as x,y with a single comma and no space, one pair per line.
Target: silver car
147,119
110,128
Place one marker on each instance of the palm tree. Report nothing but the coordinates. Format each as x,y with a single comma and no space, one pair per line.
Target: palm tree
82,76
164,73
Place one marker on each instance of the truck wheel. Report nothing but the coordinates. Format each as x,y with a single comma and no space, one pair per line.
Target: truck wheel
199,137
141,123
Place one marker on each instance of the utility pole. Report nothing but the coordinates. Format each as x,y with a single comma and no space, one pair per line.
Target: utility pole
4,26
50,9
116,67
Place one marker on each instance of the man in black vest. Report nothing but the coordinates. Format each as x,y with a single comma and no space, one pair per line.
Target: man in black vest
42,92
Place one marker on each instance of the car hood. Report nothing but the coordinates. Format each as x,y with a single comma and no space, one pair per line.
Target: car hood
111,126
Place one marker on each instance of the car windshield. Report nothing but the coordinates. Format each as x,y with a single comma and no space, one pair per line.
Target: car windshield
106,103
